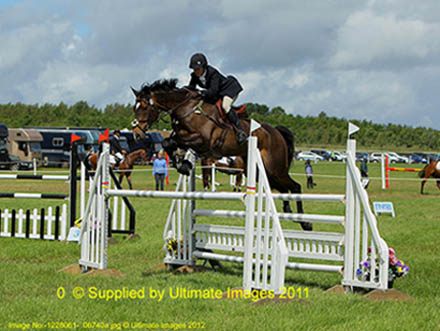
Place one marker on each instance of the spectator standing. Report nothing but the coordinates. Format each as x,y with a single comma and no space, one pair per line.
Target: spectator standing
309,174
160,170
364,173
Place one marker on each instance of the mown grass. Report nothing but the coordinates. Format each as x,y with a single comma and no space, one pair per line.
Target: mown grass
30,278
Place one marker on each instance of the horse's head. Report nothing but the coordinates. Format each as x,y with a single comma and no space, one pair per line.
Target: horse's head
145,113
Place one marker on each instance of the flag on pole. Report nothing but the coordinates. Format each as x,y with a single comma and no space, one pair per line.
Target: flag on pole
352,129
254,126
104,136
74,138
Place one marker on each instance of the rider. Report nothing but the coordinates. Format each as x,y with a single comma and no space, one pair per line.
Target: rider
116,147
217,87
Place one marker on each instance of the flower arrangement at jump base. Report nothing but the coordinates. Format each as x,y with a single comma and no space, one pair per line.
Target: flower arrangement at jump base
396,269
171,245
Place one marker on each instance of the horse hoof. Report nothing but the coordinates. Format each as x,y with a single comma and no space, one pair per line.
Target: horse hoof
307,226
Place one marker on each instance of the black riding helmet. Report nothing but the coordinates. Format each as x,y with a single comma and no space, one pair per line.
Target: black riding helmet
197,61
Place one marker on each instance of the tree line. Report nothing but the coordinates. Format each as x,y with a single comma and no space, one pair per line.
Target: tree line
321,130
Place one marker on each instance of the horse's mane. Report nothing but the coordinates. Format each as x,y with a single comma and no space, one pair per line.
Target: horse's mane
160,85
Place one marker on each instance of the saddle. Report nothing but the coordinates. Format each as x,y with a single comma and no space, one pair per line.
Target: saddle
240,110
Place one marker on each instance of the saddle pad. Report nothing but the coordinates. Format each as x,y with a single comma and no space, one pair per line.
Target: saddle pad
437,166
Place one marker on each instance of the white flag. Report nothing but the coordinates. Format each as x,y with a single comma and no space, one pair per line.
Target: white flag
254,126
352,129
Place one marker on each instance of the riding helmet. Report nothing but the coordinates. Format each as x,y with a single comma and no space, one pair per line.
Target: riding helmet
197,61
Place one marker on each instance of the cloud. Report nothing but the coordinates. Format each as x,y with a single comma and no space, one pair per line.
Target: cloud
375,41
375,60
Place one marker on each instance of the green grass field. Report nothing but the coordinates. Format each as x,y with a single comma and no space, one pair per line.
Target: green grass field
34,293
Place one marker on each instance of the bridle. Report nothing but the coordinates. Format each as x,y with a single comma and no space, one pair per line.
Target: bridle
164,111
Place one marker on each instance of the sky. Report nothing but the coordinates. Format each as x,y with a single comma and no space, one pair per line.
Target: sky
366,60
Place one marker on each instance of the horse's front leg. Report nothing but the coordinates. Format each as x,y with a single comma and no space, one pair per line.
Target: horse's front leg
170,146
129,182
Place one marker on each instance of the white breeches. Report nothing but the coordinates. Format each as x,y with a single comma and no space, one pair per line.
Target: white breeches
227,103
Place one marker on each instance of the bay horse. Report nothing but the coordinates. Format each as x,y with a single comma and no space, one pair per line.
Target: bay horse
198,125
125,167
237,167
430,170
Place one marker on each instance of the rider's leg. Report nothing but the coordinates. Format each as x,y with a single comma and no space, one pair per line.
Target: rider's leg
119,157
233,118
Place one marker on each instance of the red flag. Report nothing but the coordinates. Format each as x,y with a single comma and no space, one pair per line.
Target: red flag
168,173
104,136
74,138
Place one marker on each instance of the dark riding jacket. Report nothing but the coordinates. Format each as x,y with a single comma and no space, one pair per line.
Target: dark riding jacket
216,85
115,145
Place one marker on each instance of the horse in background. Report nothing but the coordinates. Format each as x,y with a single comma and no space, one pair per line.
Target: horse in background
125,167
199,126
227,165
430,170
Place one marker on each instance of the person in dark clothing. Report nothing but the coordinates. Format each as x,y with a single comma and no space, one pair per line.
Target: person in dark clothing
116,148
217,86
309,174
364,173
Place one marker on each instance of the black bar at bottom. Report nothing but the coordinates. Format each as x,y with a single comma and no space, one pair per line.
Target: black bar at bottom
42,224
28,223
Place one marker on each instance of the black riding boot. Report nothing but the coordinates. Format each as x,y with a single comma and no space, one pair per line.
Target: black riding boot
235,121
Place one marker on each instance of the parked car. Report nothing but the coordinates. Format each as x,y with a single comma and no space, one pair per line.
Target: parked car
309,156
338,156
416,158
360,156
428,157
375,157
325,154
397,157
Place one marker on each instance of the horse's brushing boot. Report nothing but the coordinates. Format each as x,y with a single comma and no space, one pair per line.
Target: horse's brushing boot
235,121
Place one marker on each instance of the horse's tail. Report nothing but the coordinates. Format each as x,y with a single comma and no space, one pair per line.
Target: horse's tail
290,142
423,171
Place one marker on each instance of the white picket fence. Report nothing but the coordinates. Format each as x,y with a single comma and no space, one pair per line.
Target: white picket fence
27,224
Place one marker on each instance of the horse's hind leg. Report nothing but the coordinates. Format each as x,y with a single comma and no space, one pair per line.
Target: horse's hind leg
438,184
422,185
293,187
